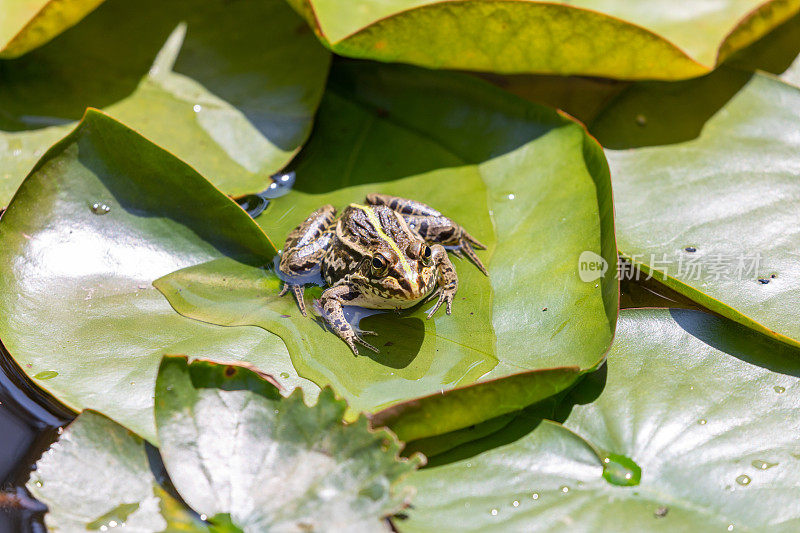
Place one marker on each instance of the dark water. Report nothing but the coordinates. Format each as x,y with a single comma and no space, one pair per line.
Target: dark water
29,423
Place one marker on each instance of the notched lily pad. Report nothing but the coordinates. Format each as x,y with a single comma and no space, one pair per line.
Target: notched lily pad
233,446
522,179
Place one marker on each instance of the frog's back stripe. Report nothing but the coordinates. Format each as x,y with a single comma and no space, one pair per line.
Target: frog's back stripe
376,224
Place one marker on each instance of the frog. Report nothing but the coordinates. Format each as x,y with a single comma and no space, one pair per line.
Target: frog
389,253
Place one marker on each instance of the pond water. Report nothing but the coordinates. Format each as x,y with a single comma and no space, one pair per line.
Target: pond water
29,423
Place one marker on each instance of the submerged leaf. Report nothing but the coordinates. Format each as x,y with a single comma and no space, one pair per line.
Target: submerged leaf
97,477
233,446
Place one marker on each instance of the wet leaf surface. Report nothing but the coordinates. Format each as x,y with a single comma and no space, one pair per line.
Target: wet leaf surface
704,410
706,192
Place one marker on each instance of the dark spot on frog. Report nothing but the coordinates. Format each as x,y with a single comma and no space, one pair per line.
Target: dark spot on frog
472,313
773,276
763,281
230,371
690,249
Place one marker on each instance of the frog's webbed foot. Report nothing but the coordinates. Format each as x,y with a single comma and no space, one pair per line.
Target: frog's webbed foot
448,280
298,294
465,246
330,304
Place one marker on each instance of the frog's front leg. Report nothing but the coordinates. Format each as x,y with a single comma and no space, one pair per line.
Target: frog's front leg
447,277
330,303
432,226
304,248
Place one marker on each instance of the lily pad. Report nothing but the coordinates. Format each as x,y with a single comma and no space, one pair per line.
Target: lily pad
97,477
696,415
524,180
26,24
104,213
233,446
229,87
705,185
606,38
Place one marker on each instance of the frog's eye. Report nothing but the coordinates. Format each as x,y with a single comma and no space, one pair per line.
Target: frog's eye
426,254
379,265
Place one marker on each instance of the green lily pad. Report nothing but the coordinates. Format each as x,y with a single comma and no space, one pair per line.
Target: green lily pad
97,477
705,185
606,38
233,446
104,213
26,24
524,180
229,87
696,415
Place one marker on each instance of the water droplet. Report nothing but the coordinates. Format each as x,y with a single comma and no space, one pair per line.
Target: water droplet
515,503
730,527
702,421
203,517
47,374
104,528
197,108
621,470
285,375
112,523
779,389
690,249
100,209
494,512
564,489
39,483
641,120
743,480
762,465
535,496
511,196
763,281
17,152
661,512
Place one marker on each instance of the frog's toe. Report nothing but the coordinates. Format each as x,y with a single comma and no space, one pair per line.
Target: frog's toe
284,290
467,249
472,240
366,332
365,344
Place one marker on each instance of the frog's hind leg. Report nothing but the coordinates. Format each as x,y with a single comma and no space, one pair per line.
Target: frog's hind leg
432,226
331,303
442,230
304,248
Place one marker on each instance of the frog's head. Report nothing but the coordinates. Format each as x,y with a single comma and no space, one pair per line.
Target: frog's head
399,277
